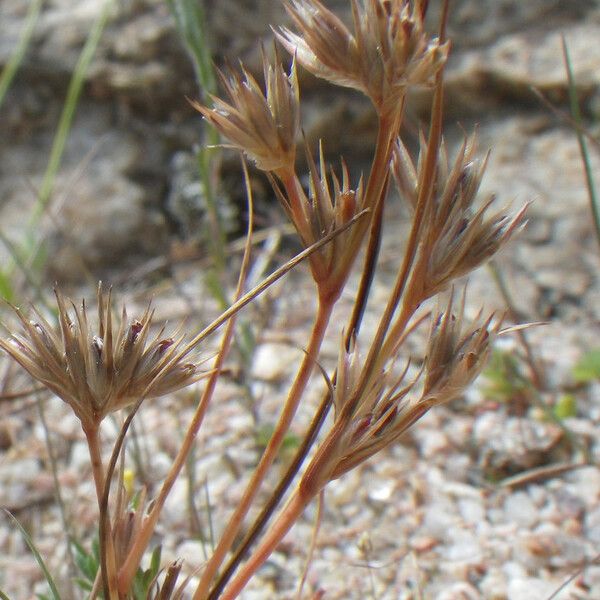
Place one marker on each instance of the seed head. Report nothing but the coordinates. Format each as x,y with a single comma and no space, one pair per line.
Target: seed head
264,125
388,50
372,410
457,236
455,357
365,415
98,372
326,208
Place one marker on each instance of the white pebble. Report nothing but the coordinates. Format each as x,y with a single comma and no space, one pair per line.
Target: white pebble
520,509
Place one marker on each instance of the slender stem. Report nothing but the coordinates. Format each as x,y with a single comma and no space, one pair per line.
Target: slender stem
377,183
585,157
289,410
374,198
538,376
369,266
426,179
107,551
142,540
289,515
129,567
283,485
313,542
248,297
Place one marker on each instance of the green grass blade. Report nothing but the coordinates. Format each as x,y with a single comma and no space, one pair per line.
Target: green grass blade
191,24
12,66
37,556
69,108
576,114
20,263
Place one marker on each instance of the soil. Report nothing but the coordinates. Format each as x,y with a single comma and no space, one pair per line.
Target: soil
485,498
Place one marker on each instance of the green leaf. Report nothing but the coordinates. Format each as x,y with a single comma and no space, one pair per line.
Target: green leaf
40,561
84,584
504,379
290,441
588,367
88,564
155,561
6,288
565,407
3,596
12,65
585,156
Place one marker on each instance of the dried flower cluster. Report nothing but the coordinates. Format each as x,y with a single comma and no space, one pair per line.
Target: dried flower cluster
457,236
374,408
263,125
388,51
322,211
98,372
119,363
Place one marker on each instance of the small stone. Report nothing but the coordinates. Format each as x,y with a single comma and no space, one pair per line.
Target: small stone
459,591
493,586
520,509
472,511
273,361
381,493
527,588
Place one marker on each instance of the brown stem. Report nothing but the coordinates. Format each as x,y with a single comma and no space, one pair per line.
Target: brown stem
108,566
275,499
289,515
382,157
248,297
129,568
289,410
374,195
369,266
425,187
142,540
312,482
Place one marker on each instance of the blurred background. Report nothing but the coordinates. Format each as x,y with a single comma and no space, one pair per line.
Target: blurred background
115,182
105,174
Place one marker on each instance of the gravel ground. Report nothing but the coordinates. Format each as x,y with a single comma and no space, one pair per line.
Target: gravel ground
485,498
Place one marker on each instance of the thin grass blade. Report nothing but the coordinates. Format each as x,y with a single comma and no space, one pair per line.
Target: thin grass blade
36,554
69,108
585,157
12,66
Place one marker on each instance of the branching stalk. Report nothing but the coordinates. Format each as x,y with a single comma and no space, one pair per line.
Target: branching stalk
283,424
127,571
285,521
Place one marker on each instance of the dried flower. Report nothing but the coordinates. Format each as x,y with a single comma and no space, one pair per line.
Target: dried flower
369,418
388,51
320,213
455,357
98,373
373,409
457,237
264,125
